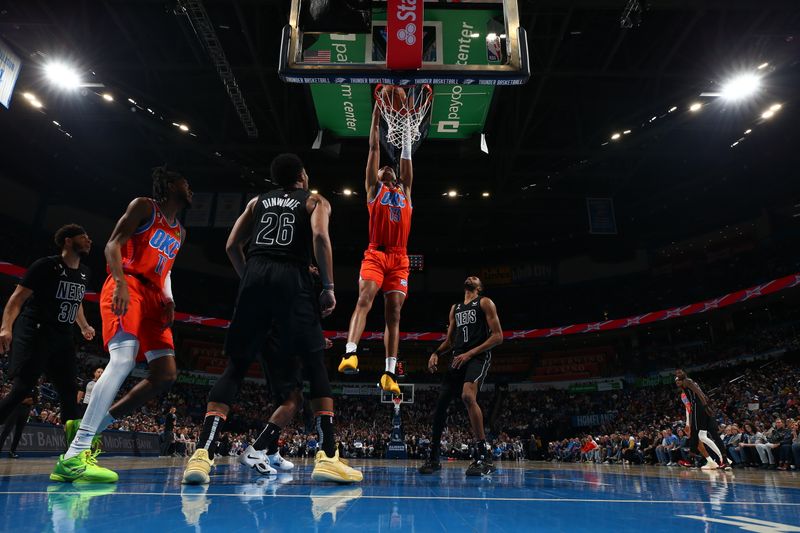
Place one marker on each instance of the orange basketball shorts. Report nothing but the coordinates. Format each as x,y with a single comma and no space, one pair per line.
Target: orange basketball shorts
143,319
389,271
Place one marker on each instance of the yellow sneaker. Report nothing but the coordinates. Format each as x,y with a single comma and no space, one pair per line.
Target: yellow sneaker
349,364
333,469
197,469
389,383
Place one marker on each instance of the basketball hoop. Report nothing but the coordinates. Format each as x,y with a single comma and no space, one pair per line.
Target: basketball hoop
404,117
397,400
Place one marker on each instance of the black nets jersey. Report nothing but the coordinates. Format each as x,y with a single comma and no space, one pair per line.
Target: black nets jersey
57,292
472,329
282,228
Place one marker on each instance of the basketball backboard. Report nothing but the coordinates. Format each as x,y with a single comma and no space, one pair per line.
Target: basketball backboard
464,43
466,48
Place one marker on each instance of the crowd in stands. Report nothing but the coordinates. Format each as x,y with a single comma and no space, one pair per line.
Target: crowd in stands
757,411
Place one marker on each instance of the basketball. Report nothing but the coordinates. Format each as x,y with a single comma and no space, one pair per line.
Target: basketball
394,95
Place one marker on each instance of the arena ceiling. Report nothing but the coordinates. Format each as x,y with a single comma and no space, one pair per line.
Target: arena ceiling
549,141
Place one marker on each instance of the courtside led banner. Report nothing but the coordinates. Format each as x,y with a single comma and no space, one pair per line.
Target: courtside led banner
9,72
744,295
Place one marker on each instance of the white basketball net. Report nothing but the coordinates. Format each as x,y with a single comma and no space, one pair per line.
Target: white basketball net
404,119
397,400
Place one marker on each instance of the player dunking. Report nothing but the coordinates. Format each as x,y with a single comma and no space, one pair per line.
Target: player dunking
385,264
276,297
137,309
473,330
701,426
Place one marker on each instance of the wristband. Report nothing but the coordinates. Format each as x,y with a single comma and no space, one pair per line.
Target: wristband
327,286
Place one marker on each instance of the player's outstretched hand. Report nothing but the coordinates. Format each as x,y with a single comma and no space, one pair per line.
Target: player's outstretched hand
88,333
433,363
120,299
168,314
327,302
5,341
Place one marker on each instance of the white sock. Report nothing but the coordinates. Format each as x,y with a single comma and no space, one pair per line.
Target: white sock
123,349
350,347
391,363
703,436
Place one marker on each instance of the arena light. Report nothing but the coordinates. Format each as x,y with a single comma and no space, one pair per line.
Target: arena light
673,108
762,66
768,114
695,107
347,192
183,127
615,136
314,191
740,87
485,194
131,100
452,194
28,96
775,107
626,132
747,131
56,123
62,75
108,97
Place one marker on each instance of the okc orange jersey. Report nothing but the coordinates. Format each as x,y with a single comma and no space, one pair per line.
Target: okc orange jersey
150,252
389,218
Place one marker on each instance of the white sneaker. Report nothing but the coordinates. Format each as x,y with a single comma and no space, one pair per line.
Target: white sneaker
279,463
710,465
257,460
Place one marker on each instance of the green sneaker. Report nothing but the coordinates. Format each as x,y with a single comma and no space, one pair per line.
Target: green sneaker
71,429
82,468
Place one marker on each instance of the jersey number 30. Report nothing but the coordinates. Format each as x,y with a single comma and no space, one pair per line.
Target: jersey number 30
278,229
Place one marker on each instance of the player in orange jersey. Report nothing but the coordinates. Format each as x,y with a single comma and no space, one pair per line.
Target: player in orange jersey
385,264
137,309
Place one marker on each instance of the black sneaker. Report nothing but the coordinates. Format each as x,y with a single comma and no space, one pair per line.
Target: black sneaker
430,467
480,468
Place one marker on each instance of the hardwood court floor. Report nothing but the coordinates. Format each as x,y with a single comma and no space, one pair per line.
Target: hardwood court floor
521,496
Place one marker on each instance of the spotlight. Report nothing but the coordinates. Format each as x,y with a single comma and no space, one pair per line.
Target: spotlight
62,75
452,194
768,114
695,107
183,127
314,191
347,192
775,107
29,96
741,87
107,97
131,100
56,123
615,136
626,132
762,66
747,132
485,194
673,108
